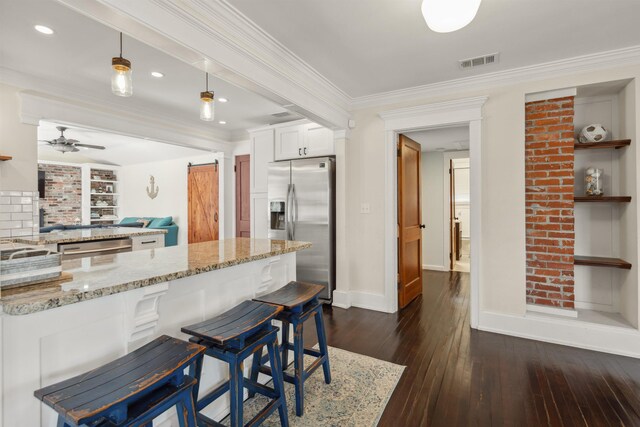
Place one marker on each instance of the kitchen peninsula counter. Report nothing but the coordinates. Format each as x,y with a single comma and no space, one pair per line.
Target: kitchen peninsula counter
110,274
116,303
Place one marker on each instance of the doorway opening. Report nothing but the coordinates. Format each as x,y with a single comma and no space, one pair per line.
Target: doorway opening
433,205
458,113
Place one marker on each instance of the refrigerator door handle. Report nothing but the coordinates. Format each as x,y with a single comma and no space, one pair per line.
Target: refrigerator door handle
294,211
288,208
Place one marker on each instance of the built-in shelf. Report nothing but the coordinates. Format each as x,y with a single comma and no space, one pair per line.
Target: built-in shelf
101,219
105,194
603,199
5,158
618,143
104,207
104,180
596,261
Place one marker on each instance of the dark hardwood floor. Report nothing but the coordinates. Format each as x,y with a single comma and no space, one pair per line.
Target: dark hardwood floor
456,376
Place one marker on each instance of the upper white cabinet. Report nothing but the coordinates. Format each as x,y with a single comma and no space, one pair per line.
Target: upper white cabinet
318,141
303,140
261,156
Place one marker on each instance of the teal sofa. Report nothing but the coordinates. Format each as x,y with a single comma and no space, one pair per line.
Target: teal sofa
166,223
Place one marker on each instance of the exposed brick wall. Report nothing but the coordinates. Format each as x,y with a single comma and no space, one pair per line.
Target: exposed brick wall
549,185
63,191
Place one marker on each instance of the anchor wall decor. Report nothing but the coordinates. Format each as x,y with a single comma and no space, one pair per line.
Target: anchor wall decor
152,191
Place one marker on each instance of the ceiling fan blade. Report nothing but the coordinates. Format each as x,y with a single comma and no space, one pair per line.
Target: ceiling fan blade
96,147
44,140
71,141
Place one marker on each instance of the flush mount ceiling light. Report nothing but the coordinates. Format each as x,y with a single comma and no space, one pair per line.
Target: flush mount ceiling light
223,100
121,83
157,74
222,122
43,29
445,16
207,107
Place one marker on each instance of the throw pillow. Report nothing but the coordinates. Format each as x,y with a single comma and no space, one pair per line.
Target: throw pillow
145,222
161,222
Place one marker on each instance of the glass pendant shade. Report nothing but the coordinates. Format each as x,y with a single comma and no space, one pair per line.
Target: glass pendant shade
121,83
207,106
445,16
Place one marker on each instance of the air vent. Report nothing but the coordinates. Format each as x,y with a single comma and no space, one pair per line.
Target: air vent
479,61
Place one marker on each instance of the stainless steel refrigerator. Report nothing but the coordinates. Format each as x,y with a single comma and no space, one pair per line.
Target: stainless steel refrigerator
301,197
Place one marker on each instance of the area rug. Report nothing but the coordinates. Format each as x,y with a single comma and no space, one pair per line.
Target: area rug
359,391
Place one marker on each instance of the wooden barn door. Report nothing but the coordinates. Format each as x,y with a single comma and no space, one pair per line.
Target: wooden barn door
409,221
203,202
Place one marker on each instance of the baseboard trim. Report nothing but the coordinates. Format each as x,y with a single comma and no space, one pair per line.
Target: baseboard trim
565,312
434,267
367,300
341,299
565,331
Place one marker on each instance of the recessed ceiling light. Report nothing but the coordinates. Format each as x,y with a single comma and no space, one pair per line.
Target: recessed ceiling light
44,30
157,74
223,100
222,122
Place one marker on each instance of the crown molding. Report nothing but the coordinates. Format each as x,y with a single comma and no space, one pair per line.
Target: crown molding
584,63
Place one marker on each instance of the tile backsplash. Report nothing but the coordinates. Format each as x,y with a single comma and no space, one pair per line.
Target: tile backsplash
18,213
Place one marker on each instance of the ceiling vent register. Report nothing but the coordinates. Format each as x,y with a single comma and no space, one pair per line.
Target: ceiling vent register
466,64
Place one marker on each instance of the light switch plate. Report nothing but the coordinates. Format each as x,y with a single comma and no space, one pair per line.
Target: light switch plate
365,208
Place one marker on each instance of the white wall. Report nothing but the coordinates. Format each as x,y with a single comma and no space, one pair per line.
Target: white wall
171,179
433,211
502,276
19,141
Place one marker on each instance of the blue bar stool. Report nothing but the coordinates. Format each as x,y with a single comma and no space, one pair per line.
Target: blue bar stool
232,337
299,302
131,390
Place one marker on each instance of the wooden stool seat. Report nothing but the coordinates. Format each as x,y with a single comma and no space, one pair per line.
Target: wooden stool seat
130,389
293,295
232,337
239,322
300,302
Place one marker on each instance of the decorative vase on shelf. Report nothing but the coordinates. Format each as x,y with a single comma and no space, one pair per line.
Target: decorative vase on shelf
593,182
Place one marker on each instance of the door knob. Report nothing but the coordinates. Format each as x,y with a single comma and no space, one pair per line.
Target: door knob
215,217
422,226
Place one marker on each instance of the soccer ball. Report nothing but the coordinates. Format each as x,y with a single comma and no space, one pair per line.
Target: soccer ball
592,133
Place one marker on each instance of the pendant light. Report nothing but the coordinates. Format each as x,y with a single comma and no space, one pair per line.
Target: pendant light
445,16
121,75
207,106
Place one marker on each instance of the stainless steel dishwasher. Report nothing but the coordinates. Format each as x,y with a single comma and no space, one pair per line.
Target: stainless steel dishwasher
94,248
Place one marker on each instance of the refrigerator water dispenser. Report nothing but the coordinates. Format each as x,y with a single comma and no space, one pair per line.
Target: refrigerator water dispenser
277,221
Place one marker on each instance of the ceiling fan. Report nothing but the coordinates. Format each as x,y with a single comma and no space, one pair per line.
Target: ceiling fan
65,145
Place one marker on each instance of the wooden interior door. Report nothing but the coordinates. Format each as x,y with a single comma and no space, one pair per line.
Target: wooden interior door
409,221
203,202
453,241
243,200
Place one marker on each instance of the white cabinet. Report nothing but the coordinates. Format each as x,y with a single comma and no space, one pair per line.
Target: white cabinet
289,142
259,216
303,140
261,156
318,141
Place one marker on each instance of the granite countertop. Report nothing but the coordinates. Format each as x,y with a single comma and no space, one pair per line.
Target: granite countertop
104,275
85,235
